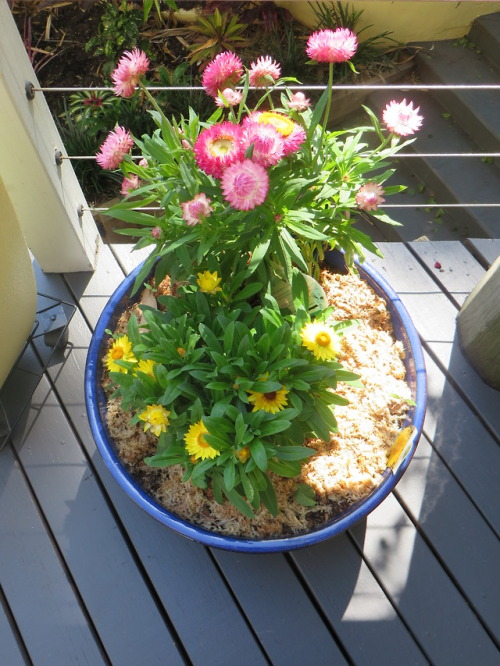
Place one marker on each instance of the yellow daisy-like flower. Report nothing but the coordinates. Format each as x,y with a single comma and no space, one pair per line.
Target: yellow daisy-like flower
281,123
321,340
196,444
272,402
155,418
146,366
209,282
121,350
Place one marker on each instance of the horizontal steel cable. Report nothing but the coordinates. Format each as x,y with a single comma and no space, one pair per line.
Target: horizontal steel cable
394,157
382,86
92,209
353,87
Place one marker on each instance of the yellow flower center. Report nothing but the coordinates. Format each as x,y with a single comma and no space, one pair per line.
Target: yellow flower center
116,353
323,339
221,146
281,123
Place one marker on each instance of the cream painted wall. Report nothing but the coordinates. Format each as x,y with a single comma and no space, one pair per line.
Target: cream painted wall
17,287
408,20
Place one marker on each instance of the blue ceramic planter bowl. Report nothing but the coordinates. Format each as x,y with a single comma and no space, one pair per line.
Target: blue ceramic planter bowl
96,407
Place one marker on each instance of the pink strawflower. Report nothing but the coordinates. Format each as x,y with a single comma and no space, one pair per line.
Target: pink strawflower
129,184
332,45
217,147
299,102
156,232
369,196
143,162
263,72
401,118
195,210
131,66
293,134
293,141
117,144
229,97
268,144
223,72
245,184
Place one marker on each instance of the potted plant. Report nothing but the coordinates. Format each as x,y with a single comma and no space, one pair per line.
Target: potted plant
228,373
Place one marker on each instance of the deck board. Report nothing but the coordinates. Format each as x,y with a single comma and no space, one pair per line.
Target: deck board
267,588
79,517
422,590
40,596
456,542
361,614
414,583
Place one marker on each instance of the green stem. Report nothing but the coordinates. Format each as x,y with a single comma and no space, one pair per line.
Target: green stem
150,97
328,101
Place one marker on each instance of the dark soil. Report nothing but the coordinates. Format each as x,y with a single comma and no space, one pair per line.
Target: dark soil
55,40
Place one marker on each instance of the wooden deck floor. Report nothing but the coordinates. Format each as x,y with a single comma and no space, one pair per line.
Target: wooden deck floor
86,577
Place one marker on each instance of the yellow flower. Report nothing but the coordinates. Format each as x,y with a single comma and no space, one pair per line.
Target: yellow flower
181,351
321,340
155,418
121,350
272,402
196,444
146,366
209,282
281,123
243,454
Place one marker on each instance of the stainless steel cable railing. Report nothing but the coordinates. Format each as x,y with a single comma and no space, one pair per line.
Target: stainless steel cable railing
402,87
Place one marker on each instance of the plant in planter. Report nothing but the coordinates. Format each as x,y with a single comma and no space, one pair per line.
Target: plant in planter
232,368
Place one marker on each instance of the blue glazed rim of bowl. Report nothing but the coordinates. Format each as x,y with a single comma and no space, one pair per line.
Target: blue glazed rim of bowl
404,330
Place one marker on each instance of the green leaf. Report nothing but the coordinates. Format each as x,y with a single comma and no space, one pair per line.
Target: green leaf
304,495
229,475
268,496
293,250
248,291
273,427
248,488
289,469
237,500
304,230
294,452
259,455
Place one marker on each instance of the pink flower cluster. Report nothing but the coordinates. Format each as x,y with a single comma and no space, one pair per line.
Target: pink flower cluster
225,72
239,154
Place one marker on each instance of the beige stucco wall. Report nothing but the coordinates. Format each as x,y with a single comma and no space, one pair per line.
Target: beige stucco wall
408,20
17,287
